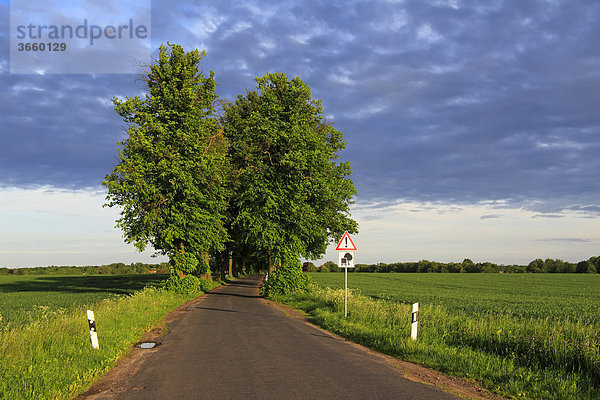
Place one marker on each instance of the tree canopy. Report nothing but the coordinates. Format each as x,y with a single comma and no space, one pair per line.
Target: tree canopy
291,195
170,181
263,181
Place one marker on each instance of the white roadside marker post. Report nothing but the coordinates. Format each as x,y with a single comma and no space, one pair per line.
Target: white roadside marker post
93,333
415,321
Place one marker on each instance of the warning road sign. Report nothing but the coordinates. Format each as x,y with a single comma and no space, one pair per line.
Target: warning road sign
346,243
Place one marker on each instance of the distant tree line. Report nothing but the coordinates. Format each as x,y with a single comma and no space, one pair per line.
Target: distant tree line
108,269
591,266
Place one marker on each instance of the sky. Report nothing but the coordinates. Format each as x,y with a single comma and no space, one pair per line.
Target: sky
472,128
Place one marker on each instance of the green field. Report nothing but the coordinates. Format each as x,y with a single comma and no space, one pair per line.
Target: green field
534,336
575,297
24,299
44,334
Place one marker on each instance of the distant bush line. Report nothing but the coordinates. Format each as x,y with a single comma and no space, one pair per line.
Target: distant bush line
591,266
109,269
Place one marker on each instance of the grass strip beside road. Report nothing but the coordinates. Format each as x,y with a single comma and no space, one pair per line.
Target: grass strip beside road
514,357
52,358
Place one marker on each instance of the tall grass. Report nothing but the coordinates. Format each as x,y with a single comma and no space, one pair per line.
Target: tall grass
517,357
51,357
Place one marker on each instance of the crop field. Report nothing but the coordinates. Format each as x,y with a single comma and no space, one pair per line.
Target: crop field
24,299
575,297
534,336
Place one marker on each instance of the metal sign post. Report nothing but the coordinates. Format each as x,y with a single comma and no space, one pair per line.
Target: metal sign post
346,249
345,292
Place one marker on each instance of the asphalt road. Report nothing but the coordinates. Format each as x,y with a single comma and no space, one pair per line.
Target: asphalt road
234,345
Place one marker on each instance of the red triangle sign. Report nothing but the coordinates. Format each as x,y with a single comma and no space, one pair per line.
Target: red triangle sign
346,243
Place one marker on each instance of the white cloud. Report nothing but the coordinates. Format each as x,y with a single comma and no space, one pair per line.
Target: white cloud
411,231
428,34
47,226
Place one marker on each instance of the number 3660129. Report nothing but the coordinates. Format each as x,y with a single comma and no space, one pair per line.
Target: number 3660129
50,46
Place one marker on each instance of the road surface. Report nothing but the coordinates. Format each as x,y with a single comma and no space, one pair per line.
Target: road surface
234,345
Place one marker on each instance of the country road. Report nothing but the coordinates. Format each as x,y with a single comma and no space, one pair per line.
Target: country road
232,344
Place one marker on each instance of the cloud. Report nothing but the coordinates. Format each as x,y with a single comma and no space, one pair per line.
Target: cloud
566,240
391,232
439,101
49,226
490,216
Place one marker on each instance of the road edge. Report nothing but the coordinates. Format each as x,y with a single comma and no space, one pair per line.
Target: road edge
454,385
111,383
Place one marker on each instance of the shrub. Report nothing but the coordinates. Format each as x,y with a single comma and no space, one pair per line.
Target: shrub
188,285
206,286
288,278
323,268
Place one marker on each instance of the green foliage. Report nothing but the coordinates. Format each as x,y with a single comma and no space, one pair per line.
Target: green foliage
272,152
323,268
290,196
190,284
108,269
536,266
206,286
309,267
170,182
287,278
518,335
185,262
332,267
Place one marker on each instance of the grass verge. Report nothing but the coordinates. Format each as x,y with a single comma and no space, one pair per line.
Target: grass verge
517,358
52,358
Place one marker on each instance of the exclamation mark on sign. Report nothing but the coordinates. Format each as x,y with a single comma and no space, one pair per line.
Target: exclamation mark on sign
346,242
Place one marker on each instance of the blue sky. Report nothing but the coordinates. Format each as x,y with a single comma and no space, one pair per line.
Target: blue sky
473,127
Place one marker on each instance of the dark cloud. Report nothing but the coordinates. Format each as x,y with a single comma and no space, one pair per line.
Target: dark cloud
440,103
490,216
548,216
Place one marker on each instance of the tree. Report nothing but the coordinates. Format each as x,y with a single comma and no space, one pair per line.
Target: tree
309,267
170,178
586,267
535,266
323,268
333,267
291,195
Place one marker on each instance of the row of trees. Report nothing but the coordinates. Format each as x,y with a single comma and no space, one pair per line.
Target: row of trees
107,269
590,266
257,184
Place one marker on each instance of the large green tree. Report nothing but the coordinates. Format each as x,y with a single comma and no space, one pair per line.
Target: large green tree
170,181
291,195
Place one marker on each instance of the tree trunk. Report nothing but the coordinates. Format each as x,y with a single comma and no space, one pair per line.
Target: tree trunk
230,263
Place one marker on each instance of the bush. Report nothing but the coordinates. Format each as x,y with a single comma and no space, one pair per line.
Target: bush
188,285
288,278
323,268
206,286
